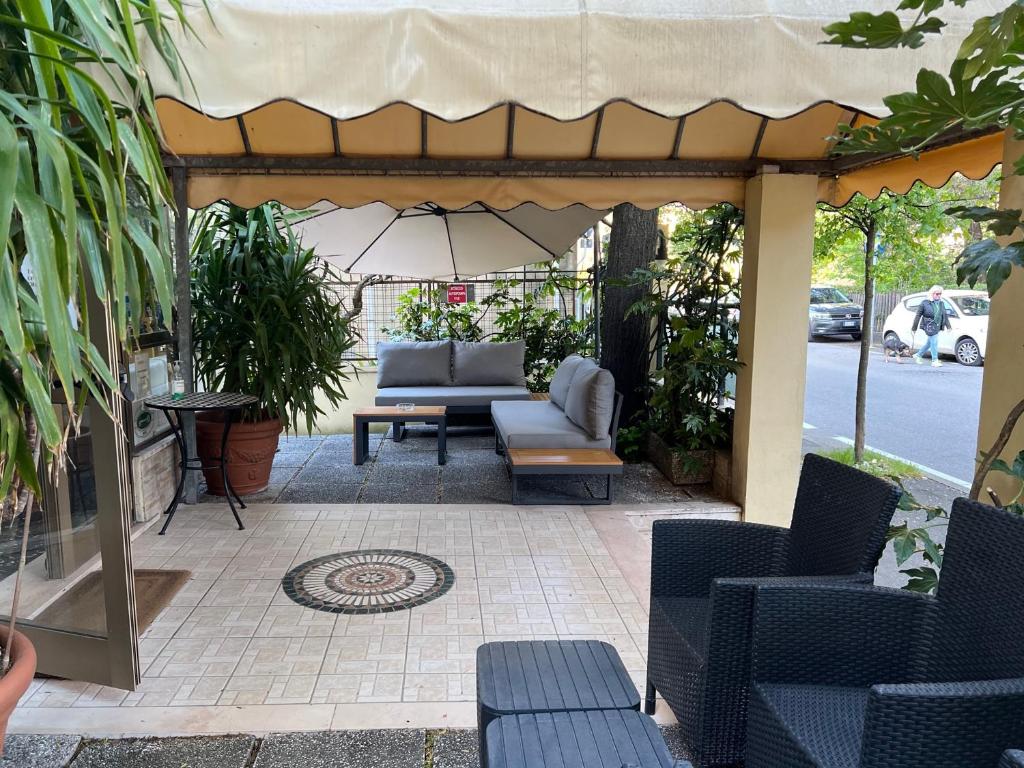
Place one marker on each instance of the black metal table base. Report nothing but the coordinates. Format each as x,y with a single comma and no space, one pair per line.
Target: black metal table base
361,438
195,464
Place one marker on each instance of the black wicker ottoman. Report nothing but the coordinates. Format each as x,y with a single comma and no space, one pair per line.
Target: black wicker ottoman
603,739
529,677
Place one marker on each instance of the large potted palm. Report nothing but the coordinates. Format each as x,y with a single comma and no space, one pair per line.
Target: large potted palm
82,209
265,322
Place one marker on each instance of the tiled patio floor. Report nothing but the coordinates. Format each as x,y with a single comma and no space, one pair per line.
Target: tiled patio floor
233,653
233,642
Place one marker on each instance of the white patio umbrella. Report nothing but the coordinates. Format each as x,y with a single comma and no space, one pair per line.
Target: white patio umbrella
430,242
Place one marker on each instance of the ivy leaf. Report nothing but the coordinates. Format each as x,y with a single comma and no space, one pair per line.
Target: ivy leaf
882,30
1000,221
924,579
991,39
941,102
987,260
905,546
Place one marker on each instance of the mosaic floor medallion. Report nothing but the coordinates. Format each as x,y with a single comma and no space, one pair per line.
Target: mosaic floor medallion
368,581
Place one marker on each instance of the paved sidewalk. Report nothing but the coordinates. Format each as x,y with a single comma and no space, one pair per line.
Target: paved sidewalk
927,490
399,748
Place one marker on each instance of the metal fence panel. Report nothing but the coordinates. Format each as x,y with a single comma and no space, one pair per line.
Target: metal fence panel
380,303
884,304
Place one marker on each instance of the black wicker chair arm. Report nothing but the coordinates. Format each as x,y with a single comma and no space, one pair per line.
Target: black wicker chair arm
837,634
1012,758
943,724
687,555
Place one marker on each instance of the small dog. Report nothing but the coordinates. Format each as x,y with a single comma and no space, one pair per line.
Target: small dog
893,347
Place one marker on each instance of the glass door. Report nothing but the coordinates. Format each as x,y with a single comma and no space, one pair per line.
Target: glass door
77,594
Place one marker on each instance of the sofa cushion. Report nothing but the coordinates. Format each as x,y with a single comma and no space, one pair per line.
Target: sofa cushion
539,424
484,363
468,396
560,382
591,400
414,363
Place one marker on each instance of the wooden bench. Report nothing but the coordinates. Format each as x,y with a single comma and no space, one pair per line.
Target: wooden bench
563,461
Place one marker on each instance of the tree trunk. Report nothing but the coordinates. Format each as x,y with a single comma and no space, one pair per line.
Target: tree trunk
624,346
867,323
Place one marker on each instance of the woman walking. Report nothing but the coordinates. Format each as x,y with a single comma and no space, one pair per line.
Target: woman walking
931,316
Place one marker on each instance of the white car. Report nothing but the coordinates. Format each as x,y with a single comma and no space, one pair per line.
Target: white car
968,318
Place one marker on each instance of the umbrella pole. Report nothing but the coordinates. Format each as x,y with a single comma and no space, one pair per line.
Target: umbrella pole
596,292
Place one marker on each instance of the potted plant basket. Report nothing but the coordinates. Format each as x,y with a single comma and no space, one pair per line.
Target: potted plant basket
265,322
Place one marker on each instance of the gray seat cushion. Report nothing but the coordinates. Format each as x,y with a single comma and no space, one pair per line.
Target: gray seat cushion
591,399
540,424
470,396
414,363
487,363
560,382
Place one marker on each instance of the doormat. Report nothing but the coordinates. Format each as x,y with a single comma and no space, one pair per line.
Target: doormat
368,581
82,608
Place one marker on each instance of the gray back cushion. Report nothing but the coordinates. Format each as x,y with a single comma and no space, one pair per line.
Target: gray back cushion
591,399
483,363
414,364
560,382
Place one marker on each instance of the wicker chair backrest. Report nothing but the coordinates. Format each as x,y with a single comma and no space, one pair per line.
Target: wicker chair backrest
840,519
979,629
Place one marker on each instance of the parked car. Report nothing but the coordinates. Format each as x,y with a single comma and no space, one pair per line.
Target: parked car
833,314
968,318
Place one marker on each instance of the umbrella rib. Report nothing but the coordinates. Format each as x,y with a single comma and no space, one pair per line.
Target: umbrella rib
517,229
451,248
374,241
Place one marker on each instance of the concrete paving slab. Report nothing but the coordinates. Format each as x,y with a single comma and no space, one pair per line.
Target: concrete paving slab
343,749
184,752
324,492
456,748
32,751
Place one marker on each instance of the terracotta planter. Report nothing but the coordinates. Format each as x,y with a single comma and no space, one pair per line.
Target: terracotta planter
251,449
14,684
699,469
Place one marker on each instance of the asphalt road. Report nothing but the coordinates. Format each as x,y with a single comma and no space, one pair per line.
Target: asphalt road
925,415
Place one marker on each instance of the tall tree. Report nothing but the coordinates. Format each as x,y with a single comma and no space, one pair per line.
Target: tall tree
635,242
893,230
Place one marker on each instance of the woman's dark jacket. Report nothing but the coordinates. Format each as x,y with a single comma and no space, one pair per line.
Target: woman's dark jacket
926,311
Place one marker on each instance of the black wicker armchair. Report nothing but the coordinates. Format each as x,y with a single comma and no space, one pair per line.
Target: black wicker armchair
703,578
854,676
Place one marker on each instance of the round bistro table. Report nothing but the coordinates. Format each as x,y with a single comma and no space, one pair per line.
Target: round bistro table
231,403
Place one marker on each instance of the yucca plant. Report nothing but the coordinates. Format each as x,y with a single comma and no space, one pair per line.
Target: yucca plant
82,207
265,319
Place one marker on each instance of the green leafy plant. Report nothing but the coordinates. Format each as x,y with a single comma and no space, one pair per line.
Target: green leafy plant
82,197
265,321
551,333
694,340
917,541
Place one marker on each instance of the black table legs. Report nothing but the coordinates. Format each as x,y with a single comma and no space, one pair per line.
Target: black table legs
194,463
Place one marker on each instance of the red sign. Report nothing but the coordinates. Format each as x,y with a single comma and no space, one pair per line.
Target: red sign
457,293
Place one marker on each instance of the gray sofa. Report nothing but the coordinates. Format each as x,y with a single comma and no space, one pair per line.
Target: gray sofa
583,411
464,376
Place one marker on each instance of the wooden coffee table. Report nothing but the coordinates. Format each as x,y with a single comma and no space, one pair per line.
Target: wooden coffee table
385,414
563,461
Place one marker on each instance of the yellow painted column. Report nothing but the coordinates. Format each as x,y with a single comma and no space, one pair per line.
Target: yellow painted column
775,294
1003,383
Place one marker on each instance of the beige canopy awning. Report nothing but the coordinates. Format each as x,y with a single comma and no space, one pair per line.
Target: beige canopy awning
555,103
